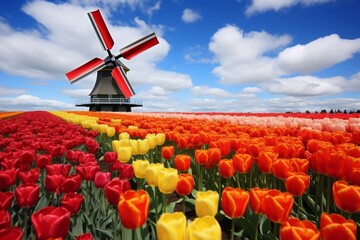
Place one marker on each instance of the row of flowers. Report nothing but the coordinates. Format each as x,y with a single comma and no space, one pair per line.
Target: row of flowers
195,161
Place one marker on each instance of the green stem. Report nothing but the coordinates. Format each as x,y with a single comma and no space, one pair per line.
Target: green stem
232,229
257,227
26,218
251,176
299,206
328,193
200,178
164,203
243,181
183,205
156,204
238,179
276,230
321,194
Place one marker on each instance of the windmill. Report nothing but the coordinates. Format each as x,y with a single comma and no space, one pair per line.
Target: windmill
112,90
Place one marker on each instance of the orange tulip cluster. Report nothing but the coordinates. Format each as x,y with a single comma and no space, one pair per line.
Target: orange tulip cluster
276,165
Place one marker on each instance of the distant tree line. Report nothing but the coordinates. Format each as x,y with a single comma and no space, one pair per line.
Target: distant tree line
332,111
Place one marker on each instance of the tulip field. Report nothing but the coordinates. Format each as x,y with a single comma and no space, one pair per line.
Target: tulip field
168,176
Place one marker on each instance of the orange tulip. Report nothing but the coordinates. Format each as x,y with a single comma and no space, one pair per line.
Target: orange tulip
297,183
346,197
335,227
294,228
185,184
214,157
201,156
257,196
133,208
167,152
234,202
265,161
182,162
281,168
277,205
242,163
226,168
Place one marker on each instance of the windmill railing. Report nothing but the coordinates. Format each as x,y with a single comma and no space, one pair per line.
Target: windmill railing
108,101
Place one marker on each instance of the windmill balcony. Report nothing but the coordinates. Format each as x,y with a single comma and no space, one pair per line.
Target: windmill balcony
108,101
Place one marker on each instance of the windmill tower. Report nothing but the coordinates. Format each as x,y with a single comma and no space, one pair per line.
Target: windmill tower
112,90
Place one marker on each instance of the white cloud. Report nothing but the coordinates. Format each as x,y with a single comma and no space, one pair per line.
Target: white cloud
29,102
306,86
5,91
318,54
242,56
214,92
258,6
190,16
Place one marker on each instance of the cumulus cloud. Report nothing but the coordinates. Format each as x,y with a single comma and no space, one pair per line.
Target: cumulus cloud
29,102
190,16
6,91
258,6
208,91
318,54
243,56
306,86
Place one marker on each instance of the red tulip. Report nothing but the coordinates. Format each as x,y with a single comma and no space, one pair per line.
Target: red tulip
110,157
14,233
185,184
6,199
134,208
85,236
30,176
55,169
294,228
346,197
53,183
42,160
257,196
72,155
114,189
277,205
27,195
126,171
101,179
182,162
71,183
297,183
226,168
27,156
234,202
167,152
242,163
8,177
91,145
51,222
335,226
5,219
72,202
56,150
87,172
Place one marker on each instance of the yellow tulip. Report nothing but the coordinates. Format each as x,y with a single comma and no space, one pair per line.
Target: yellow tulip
140,167
152,140
110,132
203,229
132,128
124,154
124,142
167,180
134,146
102,128
143,146
171,226
206,203
114,120
160,139
115,145
124,135
152,173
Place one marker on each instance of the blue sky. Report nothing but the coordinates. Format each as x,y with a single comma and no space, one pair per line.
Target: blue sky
233,55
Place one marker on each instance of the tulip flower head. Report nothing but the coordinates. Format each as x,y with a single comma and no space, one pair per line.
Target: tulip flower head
242,163
226,168
294,228
277,205
257,196
335,226
152,172
167,152
346,197
27,195
204,228
133,208
182,162
124,154
206,203
171,226
185,184
140,167
297,183
234,202
167,180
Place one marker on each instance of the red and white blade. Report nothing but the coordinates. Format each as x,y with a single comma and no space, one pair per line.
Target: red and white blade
84,70
101,30
139,46
122,81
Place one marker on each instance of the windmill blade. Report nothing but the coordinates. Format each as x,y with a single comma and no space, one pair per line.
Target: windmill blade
84,70
101,30
122,81
139,46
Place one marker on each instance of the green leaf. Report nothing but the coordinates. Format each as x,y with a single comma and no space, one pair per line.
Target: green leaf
43,202
107,232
